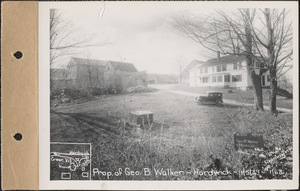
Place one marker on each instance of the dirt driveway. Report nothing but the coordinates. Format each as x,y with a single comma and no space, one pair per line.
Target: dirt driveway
284,105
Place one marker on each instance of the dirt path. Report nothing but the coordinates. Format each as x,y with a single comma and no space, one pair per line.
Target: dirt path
77,126
231,102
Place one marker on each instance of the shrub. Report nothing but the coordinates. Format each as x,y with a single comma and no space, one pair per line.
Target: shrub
75,94
98,91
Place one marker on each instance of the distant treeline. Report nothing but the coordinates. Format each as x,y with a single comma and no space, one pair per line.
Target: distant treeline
162,79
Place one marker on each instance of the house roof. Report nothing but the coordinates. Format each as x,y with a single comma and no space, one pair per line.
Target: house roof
192,64
84,61
230,59
123,66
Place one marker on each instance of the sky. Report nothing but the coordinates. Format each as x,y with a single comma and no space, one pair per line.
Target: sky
139,34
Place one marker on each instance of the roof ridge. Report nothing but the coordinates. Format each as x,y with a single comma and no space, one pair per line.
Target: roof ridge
125,66
119,61
197,60
88,59
226,56
224,60
101,60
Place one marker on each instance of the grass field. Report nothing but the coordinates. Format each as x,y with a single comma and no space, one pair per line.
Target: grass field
184,136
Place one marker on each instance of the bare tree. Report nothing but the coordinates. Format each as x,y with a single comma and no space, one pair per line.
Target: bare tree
230,34
273,42
63,38
180,68
65,41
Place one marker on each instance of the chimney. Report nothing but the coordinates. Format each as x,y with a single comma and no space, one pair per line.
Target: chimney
218,55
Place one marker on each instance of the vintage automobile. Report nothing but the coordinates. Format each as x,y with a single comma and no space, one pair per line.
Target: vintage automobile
212,97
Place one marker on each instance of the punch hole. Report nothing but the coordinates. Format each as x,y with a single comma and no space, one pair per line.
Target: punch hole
18,54
18,136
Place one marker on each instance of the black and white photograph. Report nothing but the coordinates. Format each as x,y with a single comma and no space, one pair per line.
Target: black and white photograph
171,91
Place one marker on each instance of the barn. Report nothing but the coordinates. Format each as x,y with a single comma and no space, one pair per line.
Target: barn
81,73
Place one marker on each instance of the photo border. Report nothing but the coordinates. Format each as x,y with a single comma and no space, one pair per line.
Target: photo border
44,112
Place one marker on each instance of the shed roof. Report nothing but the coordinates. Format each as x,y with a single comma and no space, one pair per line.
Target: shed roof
84,61
123,66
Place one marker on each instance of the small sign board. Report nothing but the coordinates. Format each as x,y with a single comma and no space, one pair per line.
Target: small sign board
249,141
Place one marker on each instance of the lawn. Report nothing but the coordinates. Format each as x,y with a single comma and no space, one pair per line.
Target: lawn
184,139
238,95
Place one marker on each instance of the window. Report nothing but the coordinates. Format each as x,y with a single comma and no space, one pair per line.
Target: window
220,78
268,78
227,78
205,80
213,69
235,66
213,79
237,78
218,68
205,70
263,82
224,67
259,65
240,65
201,70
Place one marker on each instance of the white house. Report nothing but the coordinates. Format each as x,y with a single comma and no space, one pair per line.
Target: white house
228,71
187,72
